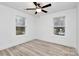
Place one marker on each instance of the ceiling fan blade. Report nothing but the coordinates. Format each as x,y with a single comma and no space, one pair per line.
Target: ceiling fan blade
39,5
30,9
35,12
46,5
44,11
35,3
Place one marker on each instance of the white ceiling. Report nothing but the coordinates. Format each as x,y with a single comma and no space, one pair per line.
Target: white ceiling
56,6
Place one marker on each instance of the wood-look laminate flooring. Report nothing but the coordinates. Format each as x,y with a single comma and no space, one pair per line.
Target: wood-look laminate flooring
38,48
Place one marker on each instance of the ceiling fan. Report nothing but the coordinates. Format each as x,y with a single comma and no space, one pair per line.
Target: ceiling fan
39,8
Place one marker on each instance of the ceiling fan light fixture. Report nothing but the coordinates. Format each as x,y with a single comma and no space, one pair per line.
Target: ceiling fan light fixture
38,10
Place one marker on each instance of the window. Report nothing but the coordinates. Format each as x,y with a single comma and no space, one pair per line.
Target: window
20,25
59,25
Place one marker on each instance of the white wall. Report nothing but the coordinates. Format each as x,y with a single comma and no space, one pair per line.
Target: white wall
45,28
78,28
8,36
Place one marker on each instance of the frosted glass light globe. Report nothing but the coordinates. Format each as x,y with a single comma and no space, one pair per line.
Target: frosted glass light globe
38,10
